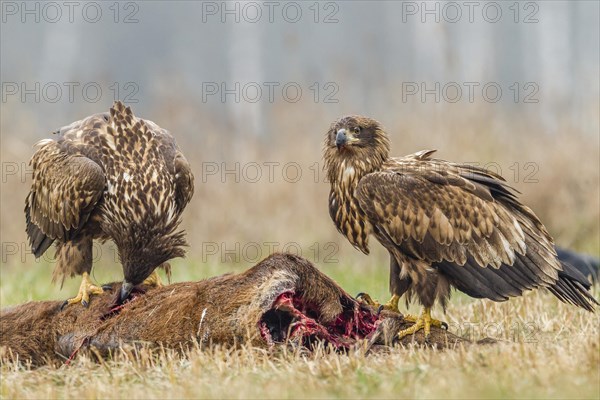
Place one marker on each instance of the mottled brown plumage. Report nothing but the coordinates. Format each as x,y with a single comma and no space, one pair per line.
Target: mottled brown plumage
109,176
444,224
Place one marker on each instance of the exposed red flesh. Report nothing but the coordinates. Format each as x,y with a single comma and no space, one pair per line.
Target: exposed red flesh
305,324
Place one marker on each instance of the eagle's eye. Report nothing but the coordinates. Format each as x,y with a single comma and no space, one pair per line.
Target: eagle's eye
356,130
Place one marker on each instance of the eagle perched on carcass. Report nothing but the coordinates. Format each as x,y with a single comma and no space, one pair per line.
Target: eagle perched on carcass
109,176
444,224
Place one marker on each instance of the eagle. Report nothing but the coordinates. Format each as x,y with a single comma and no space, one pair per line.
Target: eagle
110,176
445,225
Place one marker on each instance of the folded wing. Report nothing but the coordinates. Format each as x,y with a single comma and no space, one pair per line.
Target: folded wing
466,222
65,189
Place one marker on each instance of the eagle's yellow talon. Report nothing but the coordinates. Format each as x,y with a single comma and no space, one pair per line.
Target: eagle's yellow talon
424,321
153,280
85,290
411,330
410,318
391,305
366,299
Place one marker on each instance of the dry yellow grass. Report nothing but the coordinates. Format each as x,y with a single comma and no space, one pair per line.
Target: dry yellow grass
548,350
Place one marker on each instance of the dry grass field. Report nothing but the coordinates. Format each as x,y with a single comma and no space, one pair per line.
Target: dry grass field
546,349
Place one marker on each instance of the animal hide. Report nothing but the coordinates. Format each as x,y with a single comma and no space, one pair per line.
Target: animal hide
282,300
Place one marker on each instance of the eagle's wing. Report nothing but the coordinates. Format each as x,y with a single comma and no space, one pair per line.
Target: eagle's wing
184,180
177,163
65,188
438,212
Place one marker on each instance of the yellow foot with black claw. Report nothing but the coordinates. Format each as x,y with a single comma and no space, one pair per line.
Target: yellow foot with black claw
86,289
366,299
391,305
153,280
424,321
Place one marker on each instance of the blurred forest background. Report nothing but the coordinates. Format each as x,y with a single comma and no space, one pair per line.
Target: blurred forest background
249,89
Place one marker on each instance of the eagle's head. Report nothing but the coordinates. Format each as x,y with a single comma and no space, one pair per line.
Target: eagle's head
142,248
357,142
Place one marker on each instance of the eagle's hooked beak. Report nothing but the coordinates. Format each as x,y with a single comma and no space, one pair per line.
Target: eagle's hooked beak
341,139
126,289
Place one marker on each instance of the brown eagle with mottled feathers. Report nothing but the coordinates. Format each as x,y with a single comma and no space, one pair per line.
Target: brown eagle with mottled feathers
444,224
109,176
